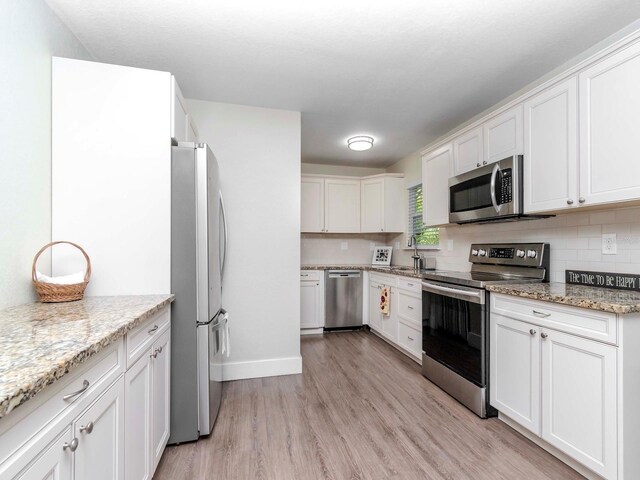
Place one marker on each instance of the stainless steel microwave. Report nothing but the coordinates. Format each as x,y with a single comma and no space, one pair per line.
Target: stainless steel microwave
489,193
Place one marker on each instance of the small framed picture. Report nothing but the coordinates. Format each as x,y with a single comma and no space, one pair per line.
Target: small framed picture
382,256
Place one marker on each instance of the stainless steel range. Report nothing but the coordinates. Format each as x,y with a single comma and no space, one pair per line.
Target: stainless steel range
455,317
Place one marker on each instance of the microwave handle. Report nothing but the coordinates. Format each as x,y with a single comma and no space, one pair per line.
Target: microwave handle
494,201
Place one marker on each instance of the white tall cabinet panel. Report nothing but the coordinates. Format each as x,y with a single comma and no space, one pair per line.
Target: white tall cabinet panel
515,370
160,388
312,205
100,434
114,201
551,149
342,205
468,151
579,399
503,135
436,167
609,119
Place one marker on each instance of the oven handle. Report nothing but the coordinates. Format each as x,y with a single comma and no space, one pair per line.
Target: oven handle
494,174
474,297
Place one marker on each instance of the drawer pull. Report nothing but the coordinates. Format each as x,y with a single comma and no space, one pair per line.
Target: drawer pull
153,330
69,396
70,445
304,275
409,307
532,331
410,284
154,354
88,428
544,335
410,338
541,314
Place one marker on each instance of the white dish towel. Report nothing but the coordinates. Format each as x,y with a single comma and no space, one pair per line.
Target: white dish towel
72,279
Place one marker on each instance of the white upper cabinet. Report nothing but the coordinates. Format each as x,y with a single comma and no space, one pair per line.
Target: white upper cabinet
382,204
551,149
503,135
342,205
468,151
179,113
312,205
609,134
435,186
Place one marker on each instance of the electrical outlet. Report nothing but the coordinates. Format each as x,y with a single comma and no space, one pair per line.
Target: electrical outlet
609,246
344,245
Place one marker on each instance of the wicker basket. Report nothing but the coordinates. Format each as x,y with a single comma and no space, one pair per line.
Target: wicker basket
53,293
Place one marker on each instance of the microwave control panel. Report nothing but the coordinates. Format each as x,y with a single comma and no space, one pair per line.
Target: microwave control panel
506,188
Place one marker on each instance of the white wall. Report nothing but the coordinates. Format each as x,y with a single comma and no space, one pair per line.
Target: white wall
258,151
321,169
327,248
30,33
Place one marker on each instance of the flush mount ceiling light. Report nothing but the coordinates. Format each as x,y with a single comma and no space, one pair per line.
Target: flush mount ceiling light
360,143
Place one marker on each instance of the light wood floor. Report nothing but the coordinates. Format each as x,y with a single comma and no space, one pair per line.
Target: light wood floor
360,410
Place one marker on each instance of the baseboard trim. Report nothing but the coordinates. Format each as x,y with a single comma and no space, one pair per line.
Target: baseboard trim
272,367
311,331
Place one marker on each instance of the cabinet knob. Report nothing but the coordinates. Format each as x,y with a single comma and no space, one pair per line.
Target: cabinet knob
160,349
544,335
478,164
582,200
484,162
70,445
87,428
410,338
532,331
154,354
569,201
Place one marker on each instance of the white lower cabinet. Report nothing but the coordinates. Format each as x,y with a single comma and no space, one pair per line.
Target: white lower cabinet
54,463
160,392
567,388
579,399
311,299
390,322
100,435
375,316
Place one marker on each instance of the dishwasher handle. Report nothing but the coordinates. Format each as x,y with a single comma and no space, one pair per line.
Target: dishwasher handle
344,274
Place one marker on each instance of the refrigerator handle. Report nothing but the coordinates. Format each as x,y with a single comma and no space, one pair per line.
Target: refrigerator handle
226,238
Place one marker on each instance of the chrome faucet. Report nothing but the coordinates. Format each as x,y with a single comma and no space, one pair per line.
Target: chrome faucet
417,258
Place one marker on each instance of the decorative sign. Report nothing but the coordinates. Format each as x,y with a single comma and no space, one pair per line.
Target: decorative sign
382,256
622,281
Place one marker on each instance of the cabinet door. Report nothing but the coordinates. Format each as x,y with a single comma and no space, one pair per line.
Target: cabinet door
375,317
137,435
551,149
160,386
579,400
312,205
309,304
179,116
503,135
609,119
342,205
515,370
436,167
390,322
468,151
53,464
100,434
372,205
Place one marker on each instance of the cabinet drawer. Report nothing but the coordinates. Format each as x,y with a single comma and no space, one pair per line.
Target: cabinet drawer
410,284
410,308
593,324
386,280
310,275
89,381
140,339
410,339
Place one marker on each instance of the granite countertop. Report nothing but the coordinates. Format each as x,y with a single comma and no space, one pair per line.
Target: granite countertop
392,270
603,299
41,342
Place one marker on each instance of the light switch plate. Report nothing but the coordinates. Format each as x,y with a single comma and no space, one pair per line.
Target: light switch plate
344,245
609,244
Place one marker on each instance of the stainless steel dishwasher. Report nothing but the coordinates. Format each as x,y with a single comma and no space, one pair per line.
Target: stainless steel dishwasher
343,299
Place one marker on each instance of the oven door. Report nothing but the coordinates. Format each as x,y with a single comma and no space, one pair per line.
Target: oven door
487,192
454,329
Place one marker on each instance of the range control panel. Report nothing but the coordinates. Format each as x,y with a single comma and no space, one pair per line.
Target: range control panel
514,254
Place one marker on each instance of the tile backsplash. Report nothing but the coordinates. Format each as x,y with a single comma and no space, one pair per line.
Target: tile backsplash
575,239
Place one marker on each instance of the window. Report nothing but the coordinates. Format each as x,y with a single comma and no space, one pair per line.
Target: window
424,236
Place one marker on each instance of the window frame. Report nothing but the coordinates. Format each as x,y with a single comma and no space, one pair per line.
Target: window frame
407,235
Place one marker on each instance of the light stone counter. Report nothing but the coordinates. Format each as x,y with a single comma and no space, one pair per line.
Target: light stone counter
42,342
604,299
392,270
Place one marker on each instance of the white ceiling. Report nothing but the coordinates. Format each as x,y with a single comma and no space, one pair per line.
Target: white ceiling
403,71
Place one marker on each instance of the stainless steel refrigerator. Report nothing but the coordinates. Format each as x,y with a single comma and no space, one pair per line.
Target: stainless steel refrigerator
199,327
